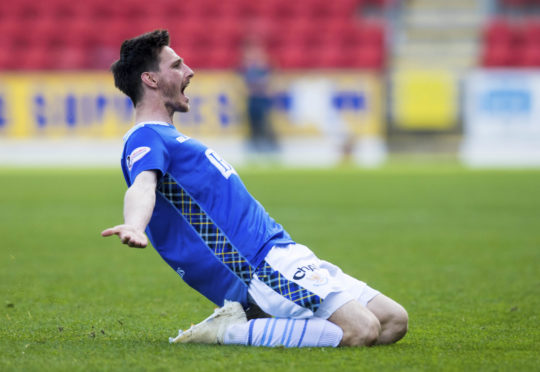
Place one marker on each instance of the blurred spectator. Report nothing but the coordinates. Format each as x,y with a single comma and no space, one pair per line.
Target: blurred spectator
256,71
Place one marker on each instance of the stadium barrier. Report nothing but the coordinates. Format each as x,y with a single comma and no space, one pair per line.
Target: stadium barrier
502,118
425,100
317,117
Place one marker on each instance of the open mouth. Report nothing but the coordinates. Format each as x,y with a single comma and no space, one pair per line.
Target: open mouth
184,87
183,90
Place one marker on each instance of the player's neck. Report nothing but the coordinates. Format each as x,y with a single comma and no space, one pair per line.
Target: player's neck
145,112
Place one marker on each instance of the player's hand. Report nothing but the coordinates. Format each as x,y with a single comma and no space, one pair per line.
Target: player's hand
128,235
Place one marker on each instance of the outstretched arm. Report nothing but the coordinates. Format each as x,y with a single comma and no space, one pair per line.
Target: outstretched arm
139,203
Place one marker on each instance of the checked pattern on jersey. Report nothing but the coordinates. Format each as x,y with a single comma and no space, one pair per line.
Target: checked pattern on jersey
224,251
207,230
286,288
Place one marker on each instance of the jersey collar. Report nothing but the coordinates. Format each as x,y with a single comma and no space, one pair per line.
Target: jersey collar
142,124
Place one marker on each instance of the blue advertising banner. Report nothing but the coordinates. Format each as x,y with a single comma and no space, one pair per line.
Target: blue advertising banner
502,118
88,105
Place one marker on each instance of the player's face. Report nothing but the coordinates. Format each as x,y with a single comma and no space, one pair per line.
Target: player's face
173,78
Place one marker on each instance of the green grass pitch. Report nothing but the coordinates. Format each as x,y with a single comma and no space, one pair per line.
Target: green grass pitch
459,249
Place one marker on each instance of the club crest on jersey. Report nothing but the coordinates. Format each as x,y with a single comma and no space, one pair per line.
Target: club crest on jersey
137,155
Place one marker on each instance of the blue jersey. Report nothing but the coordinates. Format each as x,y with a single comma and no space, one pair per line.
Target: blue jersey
205,224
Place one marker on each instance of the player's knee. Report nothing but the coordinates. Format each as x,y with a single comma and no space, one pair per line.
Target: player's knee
402,324
362,334
399,324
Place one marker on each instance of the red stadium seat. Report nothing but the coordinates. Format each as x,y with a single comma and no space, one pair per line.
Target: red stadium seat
298,31
516,3
528,57
347,34
191,33
498,55
35,58
371,34
105,11
227,33
223,57
9,29
265,9
330,56
246,9
365,57
217,9
499,31
135,13
319,10
344,9
66,58
66,10
5,12
375,3
7,62
528,52
27,10
172,10
290,10
292,56
531,32
89,33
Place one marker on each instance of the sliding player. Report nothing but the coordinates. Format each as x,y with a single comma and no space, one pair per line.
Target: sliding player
204,223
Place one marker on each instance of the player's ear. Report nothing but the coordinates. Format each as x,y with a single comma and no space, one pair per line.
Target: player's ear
149,79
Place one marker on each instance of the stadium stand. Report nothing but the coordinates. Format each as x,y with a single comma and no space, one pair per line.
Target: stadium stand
63,34
436,34
511,43
512,37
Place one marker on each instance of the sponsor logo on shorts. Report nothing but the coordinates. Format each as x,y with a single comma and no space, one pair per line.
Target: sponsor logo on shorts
302,270
313,273
137,155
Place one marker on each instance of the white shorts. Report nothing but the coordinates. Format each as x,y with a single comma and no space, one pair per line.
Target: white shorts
293,283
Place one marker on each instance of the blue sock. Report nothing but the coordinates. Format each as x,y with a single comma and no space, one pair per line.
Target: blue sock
310,332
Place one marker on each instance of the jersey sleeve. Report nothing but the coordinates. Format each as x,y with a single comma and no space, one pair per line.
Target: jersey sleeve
145,150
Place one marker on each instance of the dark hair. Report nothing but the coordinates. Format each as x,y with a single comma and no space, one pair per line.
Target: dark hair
138,55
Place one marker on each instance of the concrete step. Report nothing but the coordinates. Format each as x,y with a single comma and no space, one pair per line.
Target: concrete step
438,35
434,20
471,5
452,63
436,49
449,55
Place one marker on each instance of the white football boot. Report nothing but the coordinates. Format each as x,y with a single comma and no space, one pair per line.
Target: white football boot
212,329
